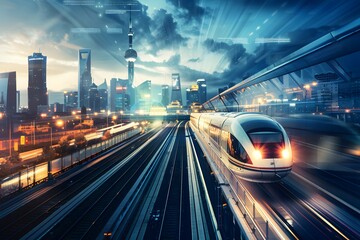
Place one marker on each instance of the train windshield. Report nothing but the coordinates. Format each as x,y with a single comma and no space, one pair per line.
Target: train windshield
266,137
269,143
260,125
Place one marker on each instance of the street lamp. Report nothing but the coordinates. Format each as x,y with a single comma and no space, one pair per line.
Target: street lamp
307,87
121,113
114,119
60,123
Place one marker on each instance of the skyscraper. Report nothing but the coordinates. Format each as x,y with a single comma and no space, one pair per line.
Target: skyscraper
85,79
119,99
143,96
7,101
192,95
165,95
37,91
17,101
103,94
176,88
202,90
56,107
70,101
93,98
7,93
130,57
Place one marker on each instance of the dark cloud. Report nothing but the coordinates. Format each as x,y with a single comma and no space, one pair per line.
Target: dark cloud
237,72
193,10
270,4
214,46
270,53
243,65
150,34
160,32
164,31
235,53
302,37
239,61
174,60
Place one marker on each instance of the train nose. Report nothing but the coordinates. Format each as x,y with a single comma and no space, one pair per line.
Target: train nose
278,172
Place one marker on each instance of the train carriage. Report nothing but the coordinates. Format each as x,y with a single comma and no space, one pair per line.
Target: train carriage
254,146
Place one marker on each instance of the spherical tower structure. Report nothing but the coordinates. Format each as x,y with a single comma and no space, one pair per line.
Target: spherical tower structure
130,57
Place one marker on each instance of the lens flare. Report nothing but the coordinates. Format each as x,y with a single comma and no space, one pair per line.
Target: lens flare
258,154
285,154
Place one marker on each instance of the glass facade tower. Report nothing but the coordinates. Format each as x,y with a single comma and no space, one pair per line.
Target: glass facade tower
37,90
85,80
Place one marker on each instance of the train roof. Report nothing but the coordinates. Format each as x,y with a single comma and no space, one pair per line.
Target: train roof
236,114
231,114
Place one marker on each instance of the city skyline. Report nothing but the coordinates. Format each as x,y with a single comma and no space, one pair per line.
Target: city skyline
197,39
84,63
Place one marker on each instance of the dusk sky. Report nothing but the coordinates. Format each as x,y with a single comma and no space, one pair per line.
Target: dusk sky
221,41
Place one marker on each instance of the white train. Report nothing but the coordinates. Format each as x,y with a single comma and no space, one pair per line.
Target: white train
118,128
254,146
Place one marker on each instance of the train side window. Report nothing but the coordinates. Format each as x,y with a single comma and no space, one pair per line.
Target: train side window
236,150
206,127
214,133
223,139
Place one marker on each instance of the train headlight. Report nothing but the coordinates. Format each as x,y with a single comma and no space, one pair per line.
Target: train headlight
285,154
258,154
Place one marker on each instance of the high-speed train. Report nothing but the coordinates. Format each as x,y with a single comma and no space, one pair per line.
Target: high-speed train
118,128
254,146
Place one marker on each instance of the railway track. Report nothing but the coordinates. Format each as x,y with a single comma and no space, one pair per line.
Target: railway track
88,218
172,204
25,218
171,220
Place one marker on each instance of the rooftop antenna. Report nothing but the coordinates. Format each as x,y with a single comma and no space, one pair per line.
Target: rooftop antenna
130,26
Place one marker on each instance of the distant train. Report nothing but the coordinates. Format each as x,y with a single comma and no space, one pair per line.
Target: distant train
254,146
118,128
114,130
